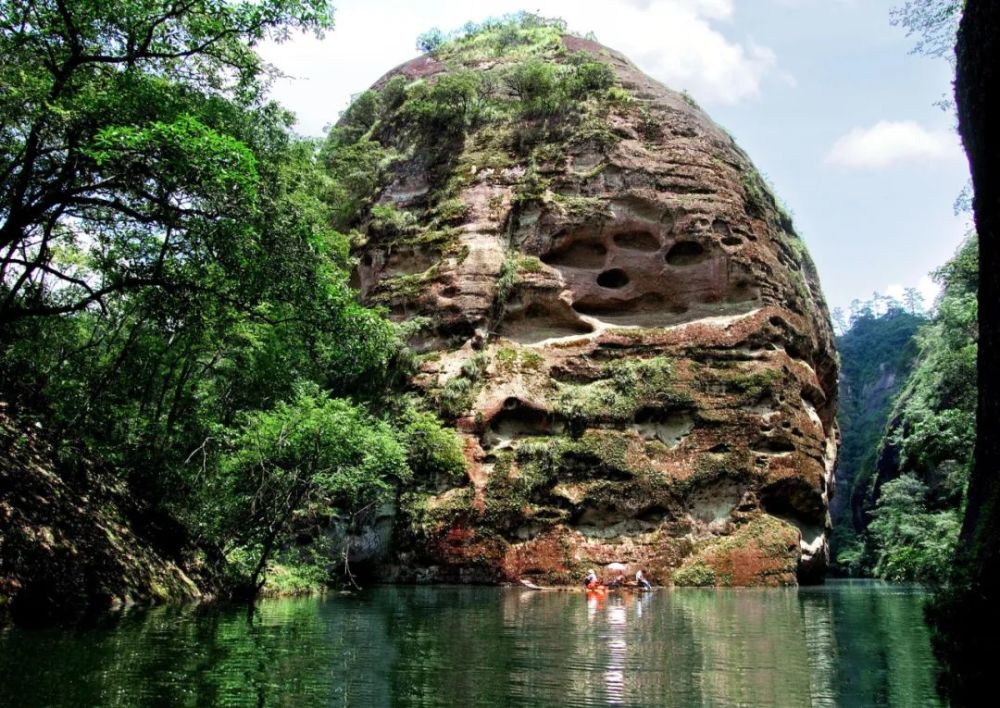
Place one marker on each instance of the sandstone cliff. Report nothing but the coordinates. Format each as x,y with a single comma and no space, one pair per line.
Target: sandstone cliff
607,301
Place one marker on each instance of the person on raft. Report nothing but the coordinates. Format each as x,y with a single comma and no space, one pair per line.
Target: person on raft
617,571
591,581
640,580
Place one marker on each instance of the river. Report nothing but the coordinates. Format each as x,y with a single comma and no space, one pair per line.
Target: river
844,643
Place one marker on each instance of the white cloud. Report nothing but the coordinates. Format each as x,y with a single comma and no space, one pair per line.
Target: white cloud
889,143
926,286
715,9
929,288
677,42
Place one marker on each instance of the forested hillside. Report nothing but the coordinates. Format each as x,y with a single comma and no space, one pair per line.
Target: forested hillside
877,355
908,498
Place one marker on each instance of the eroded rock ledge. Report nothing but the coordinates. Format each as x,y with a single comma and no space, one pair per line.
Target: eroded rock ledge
627,333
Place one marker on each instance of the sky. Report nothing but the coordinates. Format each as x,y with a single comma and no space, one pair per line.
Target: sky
824,95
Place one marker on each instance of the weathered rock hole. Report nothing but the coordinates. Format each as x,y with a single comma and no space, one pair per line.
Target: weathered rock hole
720,448
578,255
685,253
613,279
669,428
538,322
649,310
654,514
727,237
794,498
713,503
601,516
741,292
515,421
796,352
550,514
813,396
528,531
773,446
638,241
618,309
409,261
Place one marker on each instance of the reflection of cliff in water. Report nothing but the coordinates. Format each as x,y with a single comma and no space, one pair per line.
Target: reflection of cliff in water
853,644
876,642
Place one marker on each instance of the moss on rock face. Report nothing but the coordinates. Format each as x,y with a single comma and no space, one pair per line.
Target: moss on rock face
764,551
626,387
616,319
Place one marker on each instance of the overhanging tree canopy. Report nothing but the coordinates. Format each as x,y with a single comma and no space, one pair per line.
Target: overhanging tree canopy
123,161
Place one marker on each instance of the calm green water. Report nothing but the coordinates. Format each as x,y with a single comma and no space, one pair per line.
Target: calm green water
847,643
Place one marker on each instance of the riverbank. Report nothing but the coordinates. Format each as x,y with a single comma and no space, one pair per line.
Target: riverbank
70,545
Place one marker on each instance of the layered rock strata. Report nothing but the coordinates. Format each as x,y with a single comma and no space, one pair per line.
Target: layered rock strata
624,328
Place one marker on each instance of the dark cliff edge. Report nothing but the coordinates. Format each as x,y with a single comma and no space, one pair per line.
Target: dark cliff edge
73,543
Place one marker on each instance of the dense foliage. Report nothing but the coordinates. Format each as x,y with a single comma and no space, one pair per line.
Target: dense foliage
915,491
174,298
877,355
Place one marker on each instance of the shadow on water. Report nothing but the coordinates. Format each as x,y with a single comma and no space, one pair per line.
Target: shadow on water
841,644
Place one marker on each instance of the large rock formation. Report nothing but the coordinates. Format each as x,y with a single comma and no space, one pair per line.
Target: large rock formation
606,299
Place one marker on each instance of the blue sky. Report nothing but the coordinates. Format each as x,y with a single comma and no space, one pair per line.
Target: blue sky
822,94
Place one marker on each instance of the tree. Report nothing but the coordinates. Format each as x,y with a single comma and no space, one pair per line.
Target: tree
934,22
431,40
839,321
911,542
315,448
860,311
913,300
123,163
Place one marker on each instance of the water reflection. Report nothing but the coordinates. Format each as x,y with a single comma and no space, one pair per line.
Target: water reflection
841,644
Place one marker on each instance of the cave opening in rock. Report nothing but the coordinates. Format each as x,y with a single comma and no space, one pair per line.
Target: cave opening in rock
578,255
517,420
773,446
795,500
638,241
686,253
540,321
613,279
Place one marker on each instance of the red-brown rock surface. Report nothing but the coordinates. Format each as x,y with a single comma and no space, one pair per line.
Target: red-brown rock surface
620,320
